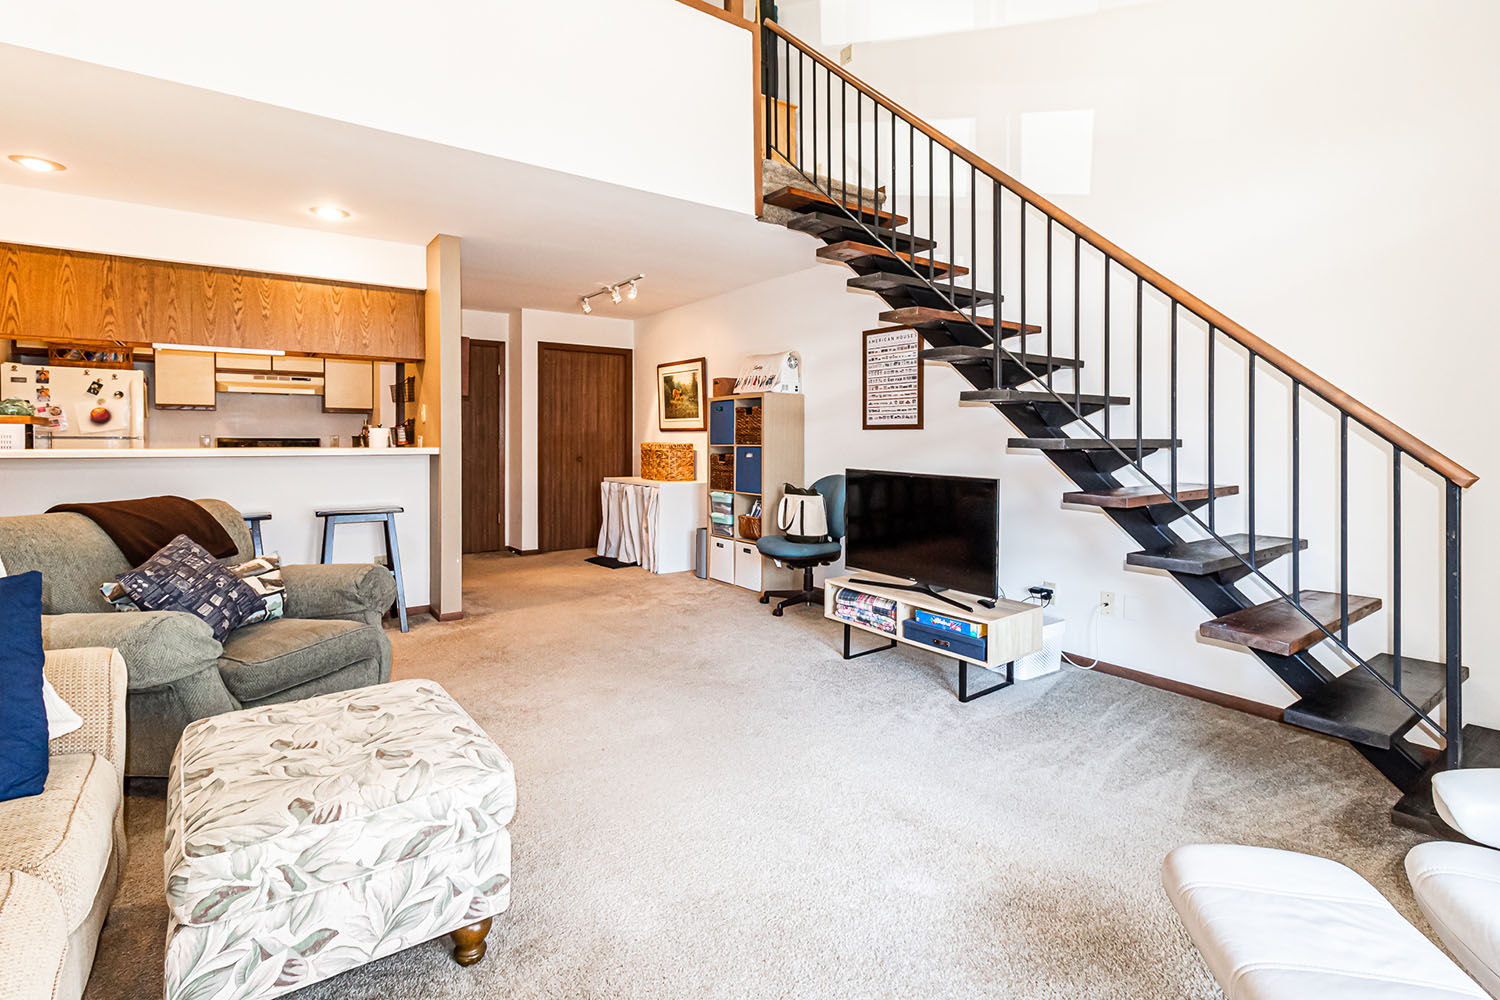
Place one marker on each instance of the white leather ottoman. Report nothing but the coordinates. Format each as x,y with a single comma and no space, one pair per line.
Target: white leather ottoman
308,838
1274,924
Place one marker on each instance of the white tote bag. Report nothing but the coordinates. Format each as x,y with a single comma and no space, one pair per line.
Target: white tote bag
802,517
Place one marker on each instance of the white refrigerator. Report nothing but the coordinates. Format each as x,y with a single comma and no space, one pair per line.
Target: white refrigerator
87,407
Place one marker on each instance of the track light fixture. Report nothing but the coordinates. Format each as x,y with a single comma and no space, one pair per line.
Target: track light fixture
613,291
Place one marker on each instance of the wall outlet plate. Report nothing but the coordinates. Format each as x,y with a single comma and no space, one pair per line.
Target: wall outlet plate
1109,603
1052,587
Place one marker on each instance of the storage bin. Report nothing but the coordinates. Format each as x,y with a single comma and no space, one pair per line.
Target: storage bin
668,463
721,470
945,641
747,470
721,422
747,424
1048,659
749,527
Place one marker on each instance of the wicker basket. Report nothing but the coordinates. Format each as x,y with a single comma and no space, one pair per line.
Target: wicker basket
747,424
721,470
669,463
749,527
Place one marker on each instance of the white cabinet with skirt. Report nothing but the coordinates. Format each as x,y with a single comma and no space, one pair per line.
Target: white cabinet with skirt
650,522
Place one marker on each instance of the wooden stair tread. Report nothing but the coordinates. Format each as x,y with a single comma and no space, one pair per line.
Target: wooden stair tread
1088,444
1355,706
1021,396
836,228
911,287
960,354
854,252
1208,555
918,317
800,199
1131,497
1277,627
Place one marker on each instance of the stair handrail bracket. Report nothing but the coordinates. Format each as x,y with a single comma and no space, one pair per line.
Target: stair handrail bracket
792,133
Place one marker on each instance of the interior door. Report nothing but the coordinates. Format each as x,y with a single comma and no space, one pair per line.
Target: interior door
583,435
484,446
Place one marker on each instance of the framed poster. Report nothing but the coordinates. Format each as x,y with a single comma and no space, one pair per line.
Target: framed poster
681,402
892,380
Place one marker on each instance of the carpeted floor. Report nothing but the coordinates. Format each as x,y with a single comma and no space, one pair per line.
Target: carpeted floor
714,804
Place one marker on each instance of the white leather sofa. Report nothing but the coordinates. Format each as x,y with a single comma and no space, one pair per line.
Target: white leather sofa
1275,925
61,852
1458,885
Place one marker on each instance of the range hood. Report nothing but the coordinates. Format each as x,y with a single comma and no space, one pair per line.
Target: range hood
272,384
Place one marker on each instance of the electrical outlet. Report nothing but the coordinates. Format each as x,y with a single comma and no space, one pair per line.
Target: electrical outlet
1052,587
1109,603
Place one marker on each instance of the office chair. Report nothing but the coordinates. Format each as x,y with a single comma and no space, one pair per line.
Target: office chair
807,555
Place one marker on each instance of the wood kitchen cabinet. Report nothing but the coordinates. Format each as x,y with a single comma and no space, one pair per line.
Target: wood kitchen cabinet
297,366
184,380
348,386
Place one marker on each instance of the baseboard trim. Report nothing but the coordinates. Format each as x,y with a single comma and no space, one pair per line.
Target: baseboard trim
412,610
447,616
522,552
1219,698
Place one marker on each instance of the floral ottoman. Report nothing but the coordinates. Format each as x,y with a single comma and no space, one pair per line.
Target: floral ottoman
308,838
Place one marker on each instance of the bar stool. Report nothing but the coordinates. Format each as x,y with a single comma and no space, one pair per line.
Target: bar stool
362,515
252,521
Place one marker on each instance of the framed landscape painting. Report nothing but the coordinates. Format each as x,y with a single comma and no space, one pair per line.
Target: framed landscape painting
681,403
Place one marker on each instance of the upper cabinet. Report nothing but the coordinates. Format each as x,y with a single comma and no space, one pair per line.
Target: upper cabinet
184,380
62,295
348,386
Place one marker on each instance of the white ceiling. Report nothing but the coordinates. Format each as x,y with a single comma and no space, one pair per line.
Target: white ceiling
532,238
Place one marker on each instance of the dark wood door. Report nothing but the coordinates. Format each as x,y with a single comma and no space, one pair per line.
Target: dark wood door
583,435
484,446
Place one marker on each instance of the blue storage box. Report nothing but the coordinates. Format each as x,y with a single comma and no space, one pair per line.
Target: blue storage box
945,641
721,422
747,470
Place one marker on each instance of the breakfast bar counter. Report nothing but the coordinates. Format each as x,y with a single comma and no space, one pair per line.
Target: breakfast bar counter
287,483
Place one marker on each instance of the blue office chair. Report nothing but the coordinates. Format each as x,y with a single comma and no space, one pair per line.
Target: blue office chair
807,555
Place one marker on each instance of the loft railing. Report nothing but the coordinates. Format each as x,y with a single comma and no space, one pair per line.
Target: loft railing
818,145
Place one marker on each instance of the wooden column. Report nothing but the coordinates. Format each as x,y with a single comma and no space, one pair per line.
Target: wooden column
440,423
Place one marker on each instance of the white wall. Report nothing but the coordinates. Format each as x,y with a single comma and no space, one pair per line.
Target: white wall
97,225
529,328
650,94
1083,553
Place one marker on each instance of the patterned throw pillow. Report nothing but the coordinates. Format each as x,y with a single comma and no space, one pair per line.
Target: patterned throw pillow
184,576
263,574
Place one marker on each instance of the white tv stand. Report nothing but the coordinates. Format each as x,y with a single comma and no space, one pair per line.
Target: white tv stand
1013,629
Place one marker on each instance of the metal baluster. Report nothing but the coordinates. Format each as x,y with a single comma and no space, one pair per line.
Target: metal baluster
931,217
1396,567
1140,380
814,123
1453,722
1077,320
875,160
859,148
769,110
996,330
1107,262
1172,445
844,139
1250,456
1344,528
790,134
974,246
895,242
911,198
952,238
801,119
1024,359
1297,493
1211,504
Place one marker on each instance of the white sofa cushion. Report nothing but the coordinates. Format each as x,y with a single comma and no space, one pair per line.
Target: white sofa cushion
64,836
1469,801
1458,888
1274,924
33,937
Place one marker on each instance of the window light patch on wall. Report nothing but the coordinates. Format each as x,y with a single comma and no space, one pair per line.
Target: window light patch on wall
1057,151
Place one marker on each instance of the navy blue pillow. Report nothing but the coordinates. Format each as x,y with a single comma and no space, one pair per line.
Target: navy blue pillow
23,715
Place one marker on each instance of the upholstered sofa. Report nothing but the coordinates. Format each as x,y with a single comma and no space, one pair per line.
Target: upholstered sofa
330,638
61,852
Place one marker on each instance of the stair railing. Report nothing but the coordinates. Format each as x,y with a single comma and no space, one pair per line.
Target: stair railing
811,142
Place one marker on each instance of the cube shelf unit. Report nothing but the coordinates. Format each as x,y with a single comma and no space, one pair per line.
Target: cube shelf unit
751,466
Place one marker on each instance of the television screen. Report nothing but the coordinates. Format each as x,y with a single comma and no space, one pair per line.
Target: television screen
943,531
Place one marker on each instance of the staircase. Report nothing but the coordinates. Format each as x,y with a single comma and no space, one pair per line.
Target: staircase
938,233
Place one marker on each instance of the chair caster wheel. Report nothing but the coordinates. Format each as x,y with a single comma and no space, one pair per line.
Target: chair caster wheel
776,612
764,599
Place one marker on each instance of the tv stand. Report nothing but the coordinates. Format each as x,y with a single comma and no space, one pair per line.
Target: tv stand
920,588
1013,629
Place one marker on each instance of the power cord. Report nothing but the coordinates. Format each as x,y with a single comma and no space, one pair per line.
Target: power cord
1093,628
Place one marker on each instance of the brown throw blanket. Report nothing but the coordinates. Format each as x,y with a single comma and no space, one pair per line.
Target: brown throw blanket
140,527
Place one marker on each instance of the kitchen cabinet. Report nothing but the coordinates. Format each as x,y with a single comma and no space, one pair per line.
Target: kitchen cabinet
184,380
298,366
348,386
243,362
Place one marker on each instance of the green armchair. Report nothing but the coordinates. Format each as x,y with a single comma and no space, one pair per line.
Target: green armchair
330,638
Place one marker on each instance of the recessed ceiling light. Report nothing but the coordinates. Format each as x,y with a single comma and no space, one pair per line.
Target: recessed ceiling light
37,163
330,212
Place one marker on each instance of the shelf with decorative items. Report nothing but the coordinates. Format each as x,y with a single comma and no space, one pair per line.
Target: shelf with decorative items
754,449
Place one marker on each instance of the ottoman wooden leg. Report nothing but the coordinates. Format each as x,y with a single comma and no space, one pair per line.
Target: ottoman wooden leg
468,942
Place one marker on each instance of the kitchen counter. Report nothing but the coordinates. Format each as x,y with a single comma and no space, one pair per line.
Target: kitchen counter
139,453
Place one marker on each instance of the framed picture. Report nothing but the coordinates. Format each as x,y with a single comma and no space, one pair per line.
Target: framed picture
681,397
892,396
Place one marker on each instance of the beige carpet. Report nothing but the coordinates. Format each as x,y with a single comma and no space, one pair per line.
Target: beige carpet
714,804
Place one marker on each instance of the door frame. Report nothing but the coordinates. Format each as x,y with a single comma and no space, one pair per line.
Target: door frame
542,427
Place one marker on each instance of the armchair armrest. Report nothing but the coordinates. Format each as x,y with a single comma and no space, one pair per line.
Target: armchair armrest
92,681
357,592
159,647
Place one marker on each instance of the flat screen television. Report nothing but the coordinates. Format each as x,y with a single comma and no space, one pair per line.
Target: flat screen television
943,532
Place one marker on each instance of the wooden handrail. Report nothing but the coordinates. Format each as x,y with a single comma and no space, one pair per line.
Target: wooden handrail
719,10
1398,436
